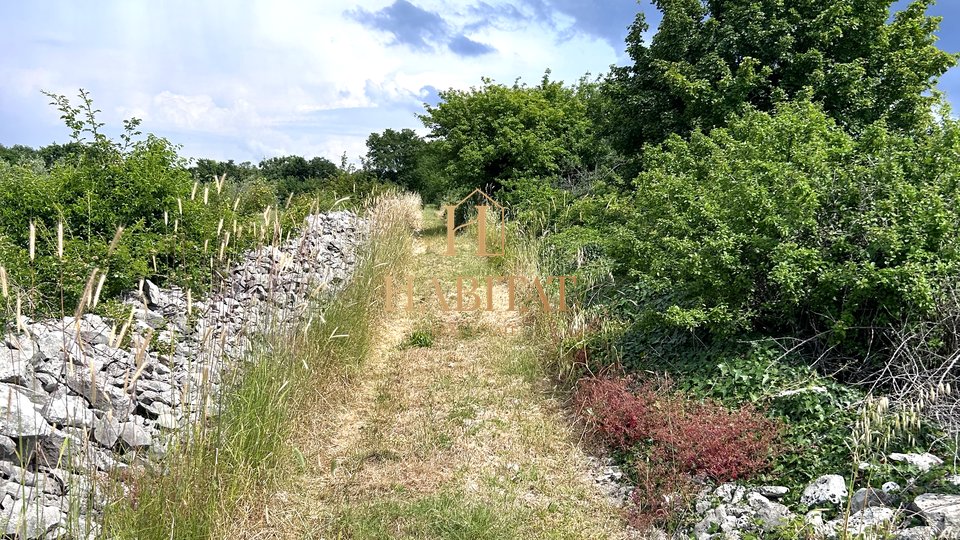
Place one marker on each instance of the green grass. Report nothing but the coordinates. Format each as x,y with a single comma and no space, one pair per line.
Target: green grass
245,451
420,338
436,516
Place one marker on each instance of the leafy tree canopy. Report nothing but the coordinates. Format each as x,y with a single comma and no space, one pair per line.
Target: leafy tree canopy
507,136
394,156
713,58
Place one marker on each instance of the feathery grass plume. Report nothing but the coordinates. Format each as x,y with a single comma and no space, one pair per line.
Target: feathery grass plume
223,180
176,225
116,240
219,226
226,242
96,295
206,244
236,203
155,267
3,282
60,239
140,359
180,205
206,195
166,219
33,240
289,199
123,330
18,314
193,192
86,297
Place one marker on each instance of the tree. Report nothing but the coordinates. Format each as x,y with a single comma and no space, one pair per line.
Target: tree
711,59
294,174
394,156
515,137
17,153
785,224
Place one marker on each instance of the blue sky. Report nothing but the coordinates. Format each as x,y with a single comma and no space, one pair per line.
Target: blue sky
250,79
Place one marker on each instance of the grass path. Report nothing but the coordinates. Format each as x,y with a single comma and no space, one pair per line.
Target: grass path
458,438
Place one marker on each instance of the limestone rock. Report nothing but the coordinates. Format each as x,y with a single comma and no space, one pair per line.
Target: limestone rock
870,523
773,492
939,511
869,497
924,462
27,522
134,436
19,416
830,488
68,410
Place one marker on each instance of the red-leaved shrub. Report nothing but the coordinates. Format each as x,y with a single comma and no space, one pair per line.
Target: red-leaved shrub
674,440
618,417
661,493
699,438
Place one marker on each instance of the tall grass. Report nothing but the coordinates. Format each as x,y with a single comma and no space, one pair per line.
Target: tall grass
201,482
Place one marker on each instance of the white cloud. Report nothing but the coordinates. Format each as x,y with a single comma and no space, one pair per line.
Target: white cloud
257,79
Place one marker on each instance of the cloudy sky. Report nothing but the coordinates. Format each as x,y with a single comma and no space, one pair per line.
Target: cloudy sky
250,79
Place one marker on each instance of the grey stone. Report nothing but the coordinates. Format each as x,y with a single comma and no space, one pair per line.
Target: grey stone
8,449
730,493
771,515
100,394
917,533
29,522
19,416
134,435
924,462
153,295
51,343
68,410
873,523
15,365
867,497
939,511
106,432
830,488
773,492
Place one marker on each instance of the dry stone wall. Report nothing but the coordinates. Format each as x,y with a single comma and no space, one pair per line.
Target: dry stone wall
81,398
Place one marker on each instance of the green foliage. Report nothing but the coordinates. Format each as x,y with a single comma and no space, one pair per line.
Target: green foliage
206,170
173,226
107,185
711,59
295,175
419,338
784,224
511,137
394,156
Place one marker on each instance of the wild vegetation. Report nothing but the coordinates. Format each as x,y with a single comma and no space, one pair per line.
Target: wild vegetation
763,205
762,210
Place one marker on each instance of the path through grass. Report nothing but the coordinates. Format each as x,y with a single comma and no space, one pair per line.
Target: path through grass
449,431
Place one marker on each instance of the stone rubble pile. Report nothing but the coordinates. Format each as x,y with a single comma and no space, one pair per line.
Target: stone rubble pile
82,398
733,511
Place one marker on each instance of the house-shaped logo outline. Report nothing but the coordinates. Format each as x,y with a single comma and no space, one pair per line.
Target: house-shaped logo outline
481,224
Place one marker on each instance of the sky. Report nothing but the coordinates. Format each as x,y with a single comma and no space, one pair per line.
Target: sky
252,79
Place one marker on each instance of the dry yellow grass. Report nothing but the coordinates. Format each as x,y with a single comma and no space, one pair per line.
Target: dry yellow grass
459,439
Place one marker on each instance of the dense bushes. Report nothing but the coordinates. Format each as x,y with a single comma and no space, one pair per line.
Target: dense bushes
785,225
174,228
